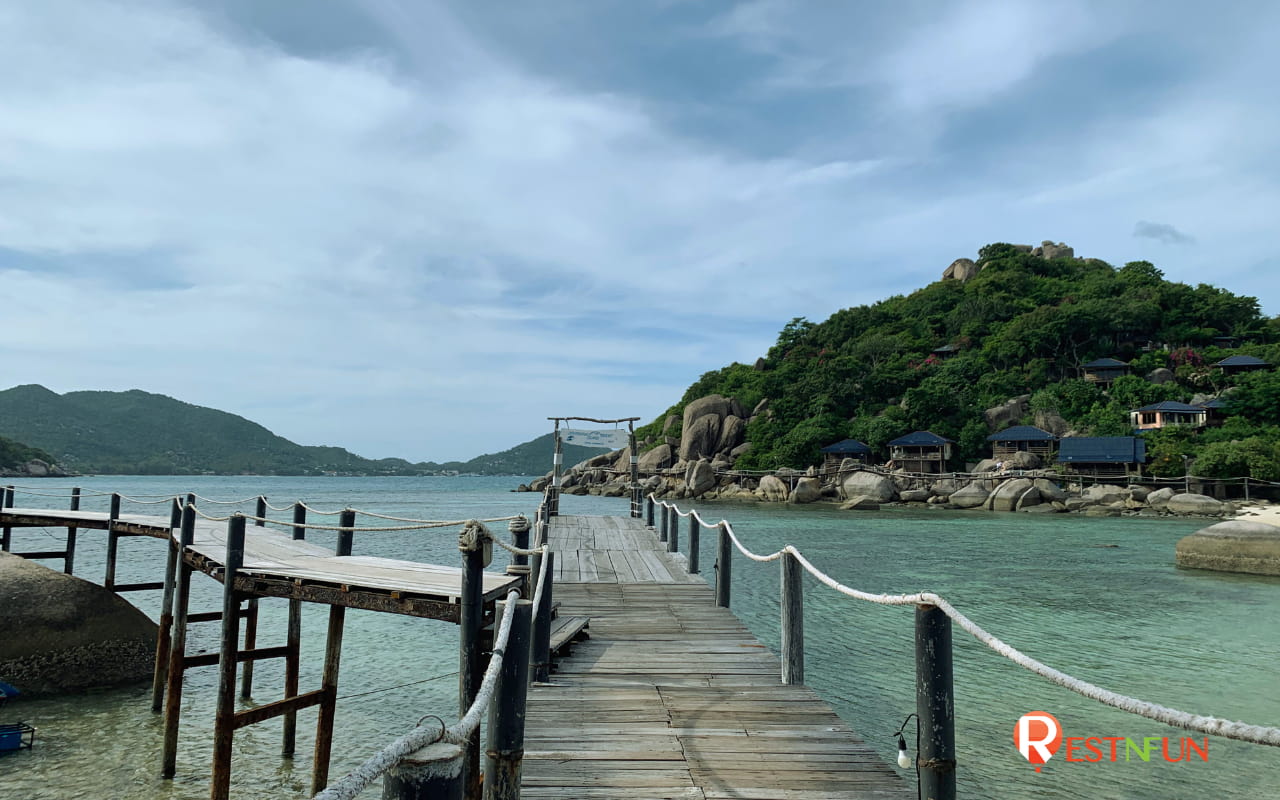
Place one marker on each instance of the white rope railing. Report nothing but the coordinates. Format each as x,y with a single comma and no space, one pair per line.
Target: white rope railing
1215,726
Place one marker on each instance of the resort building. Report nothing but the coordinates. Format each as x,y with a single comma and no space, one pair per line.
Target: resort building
1104,456
921,451
1215,412
1233,364
1022,439
1167,414
1104,371
834,454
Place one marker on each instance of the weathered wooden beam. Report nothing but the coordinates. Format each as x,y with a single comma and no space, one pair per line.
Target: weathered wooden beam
724,566
694,530
792,604
164,632
470,672
368,600
540,653
241,656
935,704
178,645
251,620
6,533
224,718
137,587
43,554
113,542
289,705
69,565
504,753
329,676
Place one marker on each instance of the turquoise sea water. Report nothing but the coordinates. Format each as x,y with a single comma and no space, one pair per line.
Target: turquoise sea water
1097,598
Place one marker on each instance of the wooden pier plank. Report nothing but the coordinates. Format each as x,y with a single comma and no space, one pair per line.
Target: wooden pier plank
673,697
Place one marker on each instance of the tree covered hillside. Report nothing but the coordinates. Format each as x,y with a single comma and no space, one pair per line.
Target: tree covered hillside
1023,324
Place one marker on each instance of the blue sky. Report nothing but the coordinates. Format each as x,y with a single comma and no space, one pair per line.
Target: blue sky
418,229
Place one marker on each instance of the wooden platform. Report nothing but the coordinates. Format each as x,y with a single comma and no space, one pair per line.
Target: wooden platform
672,697
277,565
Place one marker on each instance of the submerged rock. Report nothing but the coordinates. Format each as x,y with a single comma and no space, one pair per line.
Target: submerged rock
66,634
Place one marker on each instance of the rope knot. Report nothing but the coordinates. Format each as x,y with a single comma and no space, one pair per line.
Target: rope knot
518,525
472,536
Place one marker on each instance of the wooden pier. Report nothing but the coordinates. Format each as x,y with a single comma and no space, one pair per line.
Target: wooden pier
671,696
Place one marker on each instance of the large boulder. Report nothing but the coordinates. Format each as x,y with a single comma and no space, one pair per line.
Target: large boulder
986,465
1160,498
700,478
1023,460
771,488
1161,375
962,269
914,495
1010,412
712,405
1007,494
1051,421
972,496
869,484
1029,499
807,491
1048,249
658,458
731,432
1232,546
1050,491
699,438
1105,494
1197,504
66,634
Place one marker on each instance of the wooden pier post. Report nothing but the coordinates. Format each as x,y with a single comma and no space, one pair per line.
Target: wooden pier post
505,750
792,620
557,460
113,542
251,618
6,534
635,470
519,528
648,514
224,719
164,634
432,773
724,566
293,644
694,530
178,643
666,520
471,620
673,532
69,563
332,663
935,704
540,657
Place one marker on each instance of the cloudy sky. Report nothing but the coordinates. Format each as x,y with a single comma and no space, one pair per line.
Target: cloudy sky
418,229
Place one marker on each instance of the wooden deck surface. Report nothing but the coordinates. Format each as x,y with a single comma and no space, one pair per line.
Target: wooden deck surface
672,697
273,554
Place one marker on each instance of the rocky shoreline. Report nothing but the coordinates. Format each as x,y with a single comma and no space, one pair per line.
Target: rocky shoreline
35,468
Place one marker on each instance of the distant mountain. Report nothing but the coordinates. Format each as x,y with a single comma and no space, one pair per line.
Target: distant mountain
137,432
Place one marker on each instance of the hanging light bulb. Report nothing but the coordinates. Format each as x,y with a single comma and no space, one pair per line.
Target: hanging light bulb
904,760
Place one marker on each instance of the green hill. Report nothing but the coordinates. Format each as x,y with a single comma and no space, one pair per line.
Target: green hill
136,432
1015,323
15,454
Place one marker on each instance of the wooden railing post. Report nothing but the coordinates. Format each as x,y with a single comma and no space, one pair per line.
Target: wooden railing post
519,528
792,620
332,666
251,619
935,704
648,514
666,521
470,673
293,642
635,472
557,462
694,531
164,634
69,564
673,532
113,542
505,751
178,643
224,717
6,533
724,566
540,656
432,773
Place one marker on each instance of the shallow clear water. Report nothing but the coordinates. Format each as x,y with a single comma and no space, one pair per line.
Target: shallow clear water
1122,617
